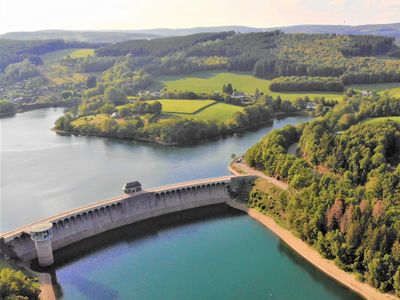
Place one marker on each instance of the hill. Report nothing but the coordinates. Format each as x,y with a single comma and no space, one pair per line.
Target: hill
390,30
114,36
355,59
82,36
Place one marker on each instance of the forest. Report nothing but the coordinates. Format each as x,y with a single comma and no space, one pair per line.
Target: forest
352,59
13,51
344,186
294,83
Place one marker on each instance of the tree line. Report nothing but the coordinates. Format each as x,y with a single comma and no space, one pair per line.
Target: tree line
294,83
344,186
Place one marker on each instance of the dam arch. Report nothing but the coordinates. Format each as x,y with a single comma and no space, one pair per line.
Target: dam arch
86,221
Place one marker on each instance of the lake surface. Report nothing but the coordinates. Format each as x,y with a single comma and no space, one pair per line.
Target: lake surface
43,173
226,256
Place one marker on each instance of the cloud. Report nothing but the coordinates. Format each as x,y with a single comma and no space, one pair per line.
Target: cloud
382,3
337,2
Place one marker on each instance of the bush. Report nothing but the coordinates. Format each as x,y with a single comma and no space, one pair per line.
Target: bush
15,284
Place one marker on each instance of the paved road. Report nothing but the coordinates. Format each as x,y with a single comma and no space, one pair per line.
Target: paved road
250,171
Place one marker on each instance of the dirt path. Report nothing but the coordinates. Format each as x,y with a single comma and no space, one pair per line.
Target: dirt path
250,171
46,287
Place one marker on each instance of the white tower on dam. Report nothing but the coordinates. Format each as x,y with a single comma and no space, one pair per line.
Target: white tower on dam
41,234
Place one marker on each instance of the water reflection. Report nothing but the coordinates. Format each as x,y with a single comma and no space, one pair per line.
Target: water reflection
44,173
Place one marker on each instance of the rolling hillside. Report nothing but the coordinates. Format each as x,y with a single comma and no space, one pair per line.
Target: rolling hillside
113,36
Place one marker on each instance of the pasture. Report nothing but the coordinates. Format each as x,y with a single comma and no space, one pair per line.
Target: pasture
183,106
93,120
380,88
382,119
58,55
206,110
212,81
217,112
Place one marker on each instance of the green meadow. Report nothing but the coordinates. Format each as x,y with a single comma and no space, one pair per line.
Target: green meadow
206,110
216,112
392,87
209,81
58,55
183,106
382,119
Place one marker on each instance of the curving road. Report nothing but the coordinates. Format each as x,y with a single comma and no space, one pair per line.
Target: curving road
247,170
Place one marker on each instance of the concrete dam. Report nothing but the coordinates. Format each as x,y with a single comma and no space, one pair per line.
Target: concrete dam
39,239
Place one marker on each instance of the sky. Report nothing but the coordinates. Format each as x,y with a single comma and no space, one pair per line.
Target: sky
28,15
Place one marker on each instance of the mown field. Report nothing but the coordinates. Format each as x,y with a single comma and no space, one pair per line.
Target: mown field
183,106
382,119
206,110
217,112
60,54
208,82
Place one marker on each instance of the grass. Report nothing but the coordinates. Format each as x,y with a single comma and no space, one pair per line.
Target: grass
218,112
212,81
94,120
393,87
58,55
381,119
205,110
97,120
183,106
78,53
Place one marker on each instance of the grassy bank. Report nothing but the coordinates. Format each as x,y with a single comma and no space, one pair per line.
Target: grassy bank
209,81
382,119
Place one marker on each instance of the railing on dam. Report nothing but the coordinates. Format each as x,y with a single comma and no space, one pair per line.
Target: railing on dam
91,219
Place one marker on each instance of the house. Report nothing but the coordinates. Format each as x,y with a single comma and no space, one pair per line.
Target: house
156,94
365,93
246,100
142,93
311,106
238,95
132,187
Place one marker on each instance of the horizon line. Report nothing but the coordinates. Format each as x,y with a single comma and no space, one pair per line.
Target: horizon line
195,27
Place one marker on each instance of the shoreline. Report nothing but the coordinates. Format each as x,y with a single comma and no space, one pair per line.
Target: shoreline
311,255
276,116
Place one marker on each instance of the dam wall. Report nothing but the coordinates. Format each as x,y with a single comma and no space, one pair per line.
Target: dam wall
81,223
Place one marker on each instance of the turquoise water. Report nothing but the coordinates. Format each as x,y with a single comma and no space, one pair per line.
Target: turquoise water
229,257
226,257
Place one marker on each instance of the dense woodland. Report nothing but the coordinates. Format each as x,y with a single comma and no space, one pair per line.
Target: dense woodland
344,186
18,285
294,83
268,55
298,62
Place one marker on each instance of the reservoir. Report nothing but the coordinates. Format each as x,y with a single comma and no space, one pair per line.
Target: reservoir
224,256
44,173
220,254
